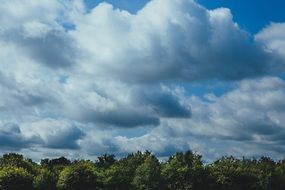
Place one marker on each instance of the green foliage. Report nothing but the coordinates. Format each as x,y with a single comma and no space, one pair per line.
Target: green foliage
55,165
120,175
45,180
148,175
184,171
141,171
17,160
105,161
62,161
15,178
80,176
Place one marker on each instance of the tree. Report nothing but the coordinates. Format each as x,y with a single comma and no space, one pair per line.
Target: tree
61,161
278,178
232,173
55,165
17,160
184,171
80,176
105,161
119,176
14,178
45,180
148,175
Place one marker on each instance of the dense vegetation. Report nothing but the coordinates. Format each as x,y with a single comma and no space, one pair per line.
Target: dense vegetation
142,171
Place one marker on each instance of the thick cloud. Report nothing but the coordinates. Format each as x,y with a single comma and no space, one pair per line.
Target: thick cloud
169,40
56,134
105,80
165,102
122,118
35,28
12,138
250,117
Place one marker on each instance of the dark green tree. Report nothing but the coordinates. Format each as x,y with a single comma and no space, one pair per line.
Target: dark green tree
120,175
105,161
184,171
15,178
148,175
232,173
55,165
45,180
80,176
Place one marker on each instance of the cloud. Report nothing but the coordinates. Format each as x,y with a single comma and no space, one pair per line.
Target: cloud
165,102
122,118
251,113
167,41
41,37
273,39
249,117
11,137
77,79
56,134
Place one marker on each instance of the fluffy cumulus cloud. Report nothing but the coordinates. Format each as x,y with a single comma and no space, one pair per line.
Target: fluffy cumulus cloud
168,40
272,38
84,82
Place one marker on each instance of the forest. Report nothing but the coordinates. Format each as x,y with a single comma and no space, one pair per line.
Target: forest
141,171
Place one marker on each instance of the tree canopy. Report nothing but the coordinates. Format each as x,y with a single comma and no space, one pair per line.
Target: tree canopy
141,171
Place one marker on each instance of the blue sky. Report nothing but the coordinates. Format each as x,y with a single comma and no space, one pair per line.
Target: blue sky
131,6
251,15
81,78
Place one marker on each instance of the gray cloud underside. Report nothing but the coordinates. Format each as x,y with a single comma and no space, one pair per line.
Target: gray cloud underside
77,90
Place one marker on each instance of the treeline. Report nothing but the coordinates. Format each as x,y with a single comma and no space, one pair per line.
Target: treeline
141,171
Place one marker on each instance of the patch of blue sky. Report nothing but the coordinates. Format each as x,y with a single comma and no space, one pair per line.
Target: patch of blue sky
131,6
200,89
68,26
62,79
251,15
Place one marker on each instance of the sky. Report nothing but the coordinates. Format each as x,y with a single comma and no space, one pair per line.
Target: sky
81,78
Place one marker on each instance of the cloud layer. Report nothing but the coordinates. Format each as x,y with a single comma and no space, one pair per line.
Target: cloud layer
85,82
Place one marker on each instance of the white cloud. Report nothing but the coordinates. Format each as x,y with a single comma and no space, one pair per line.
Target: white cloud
252,115
272,38
105,73
167,40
